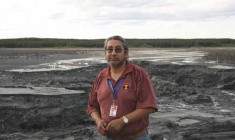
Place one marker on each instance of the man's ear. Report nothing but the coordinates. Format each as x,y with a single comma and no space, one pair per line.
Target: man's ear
126,53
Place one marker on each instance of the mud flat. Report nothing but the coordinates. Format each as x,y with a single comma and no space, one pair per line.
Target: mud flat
196,102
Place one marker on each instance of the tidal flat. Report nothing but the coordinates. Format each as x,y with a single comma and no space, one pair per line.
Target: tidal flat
44,92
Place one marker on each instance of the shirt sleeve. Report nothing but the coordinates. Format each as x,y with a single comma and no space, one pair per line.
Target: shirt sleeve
145,92
93,105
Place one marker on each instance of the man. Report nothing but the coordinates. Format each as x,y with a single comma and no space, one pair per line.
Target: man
122,96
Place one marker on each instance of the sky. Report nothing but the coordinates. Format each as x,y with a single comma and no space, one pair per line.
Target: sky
99,19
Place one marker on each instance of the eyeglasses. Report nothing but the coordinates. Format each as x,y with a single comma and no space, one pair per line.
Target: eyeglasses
117,50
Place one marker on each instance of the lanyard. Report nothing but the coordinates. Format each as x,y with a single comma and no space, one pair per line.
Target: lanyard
115,91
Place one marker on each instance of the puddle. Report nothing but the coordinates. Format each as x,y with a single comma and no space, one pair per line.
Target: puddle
184,122
39,91
222,67
62,65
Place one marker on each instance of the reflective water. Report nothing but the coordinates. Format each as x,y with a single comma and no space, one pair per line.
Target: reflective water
171,56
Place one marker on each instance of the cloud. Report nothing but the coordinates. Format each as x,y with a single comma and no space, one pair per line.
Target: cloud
205,10
132,18
56,16
149,9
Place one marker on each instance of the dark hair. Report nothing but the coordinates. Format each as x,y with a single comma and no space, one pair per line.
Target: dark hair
116,37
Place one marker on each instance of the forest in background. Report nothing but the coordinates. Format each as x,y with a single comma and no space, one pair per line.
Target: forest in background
98,43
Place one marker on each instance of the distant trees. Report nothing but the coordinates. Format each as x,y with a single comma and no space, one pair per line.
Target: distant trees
92,43
175,43
48,43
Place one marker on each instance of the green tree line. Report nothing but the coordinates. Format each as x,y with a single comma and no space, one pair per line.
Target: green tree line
96,43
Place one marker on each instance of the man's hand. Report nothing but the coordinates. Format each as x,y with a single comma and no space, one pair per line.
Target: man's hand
101,125
115,126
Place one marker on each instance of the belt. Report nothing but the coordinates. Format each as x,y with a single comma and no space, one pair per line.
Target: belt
133,136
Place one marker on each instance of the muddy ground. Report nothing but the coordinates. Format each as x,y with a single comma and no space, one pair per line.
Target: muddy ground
195,103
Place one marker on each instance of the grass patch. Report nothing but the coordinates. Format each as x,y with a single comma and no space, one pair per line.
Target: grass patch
221,55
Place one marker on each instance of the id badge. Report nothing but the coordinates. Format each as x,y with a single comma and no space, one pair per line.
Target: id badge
113,111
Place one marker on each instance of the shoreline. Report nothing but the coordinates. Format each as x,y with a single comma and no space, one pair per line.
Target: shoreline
28,58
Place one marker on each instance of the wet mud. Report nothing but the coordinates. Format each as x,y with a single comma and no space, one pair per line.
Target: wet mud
195,103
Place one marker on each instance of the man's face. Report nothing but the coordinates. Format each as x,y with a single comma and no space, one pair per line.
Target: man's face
115,53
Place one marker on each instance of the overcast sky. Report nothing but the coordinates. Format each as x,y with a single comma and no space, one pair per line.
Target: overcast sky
92,19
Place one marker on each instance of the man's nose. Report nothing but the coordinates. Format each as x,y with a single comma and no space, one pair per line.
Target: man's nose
113,52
